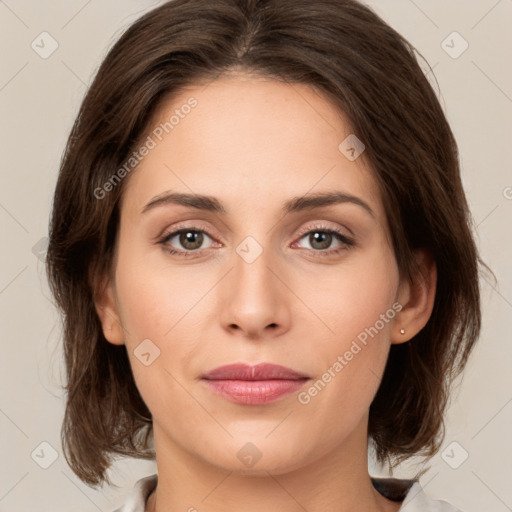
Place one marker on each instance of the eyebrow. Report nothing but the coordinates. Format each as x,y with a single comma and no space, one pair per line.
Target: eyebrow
295,204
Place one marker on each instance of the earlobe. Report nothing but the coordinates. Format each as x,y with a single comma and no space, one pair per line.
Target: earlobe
106,308
417,299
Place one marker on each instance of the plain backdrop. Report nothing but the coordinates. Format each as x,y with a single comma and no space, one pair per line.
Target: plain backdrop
39,99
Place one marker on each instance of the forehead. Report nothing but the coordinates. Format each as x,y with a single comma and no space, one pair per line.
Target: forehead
249,140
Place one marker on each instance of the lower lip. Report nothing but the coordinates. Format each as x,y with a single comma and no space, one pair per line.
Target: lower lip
254,392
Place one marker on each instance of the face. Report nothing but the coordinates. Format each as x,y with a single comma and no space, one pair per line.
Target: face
255,273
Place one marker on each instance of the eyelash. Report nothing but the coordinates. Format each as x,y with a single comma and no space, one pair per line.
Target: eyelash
346,241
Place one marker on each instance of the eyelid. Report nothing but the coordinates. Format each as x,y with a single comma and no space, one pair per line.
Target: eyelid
321,226
187,225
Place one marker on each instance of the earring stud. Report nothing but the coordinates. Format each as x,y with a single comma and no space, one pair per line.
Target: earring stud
402,331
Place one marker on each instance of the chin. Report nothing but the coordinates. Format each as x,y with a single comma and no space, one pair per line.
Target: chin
256,458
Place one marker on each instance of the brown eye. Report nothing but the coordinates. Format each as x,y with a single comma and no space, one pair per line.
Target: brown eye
191,240
185,240
320,239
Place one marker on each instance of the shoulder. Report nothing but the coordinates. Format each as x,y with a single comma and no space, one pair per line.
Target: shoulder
136,499
411,494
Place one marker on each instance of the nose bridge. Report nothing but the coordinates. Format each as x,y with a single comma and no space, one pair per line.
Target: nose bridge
255,298
253,253
252,262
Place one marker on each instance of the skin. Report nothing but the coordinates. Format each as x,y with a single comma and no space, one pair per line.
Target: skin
254,143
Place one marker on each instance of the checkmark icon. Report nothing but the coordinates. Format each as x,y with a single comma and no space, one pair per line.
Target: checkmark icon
44,455
44,45
454,455
249,249
454,45
146,352
351,147
249,455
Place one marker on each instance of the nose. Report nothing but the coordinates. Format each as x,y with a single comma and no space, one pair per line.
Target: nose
255,300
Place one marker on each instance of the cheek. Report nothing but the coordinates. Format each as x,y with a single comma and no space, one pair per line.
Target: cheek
161,310
357,304
155,298
351,297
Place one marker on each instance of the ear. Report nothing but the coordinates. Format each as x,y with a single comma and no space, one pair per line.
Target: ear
416,298
107,310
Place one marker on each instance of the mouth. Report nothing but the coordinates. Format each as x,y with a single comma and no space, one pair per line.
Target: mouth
254,385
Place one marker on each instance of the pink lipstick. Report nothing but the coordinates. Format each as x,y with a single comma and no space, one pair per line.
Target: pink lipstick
253,385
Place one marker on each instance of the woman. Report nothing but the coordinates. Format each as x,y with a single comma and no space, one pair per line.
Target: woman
262,249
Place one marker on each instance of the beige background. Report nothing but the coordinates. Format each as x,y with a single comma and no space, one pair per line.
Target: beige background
38,101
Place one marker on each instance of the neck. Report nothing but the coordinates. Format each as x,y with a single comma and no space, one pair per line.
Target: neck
337,480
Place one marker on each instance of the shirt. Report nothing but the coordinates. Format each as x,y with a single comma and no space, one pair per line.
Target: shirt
410,491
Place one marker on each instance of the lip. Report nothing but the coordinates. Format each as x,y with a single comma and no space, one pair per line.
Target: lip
262,371
253,385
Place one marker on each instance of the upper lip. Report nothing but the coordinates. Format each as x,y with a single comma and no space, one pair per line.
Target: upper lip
262,371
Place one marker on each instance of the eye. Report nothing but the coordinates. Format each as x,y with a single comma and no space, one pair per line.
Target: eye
321,238
184,241
188,241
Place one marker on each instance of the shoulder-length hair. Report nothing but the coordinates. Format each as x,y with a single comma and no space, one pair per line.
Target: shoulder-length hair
368,71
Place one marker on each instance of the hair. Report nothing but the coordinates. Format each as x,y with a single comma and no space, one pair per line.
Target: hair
371,74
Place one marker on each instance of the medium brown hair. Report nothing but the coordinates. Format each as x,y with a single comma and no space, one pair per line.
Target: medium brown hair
368,71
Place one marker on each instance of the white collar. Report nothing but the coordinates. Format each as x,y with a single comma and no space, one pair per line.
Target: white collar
414,497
